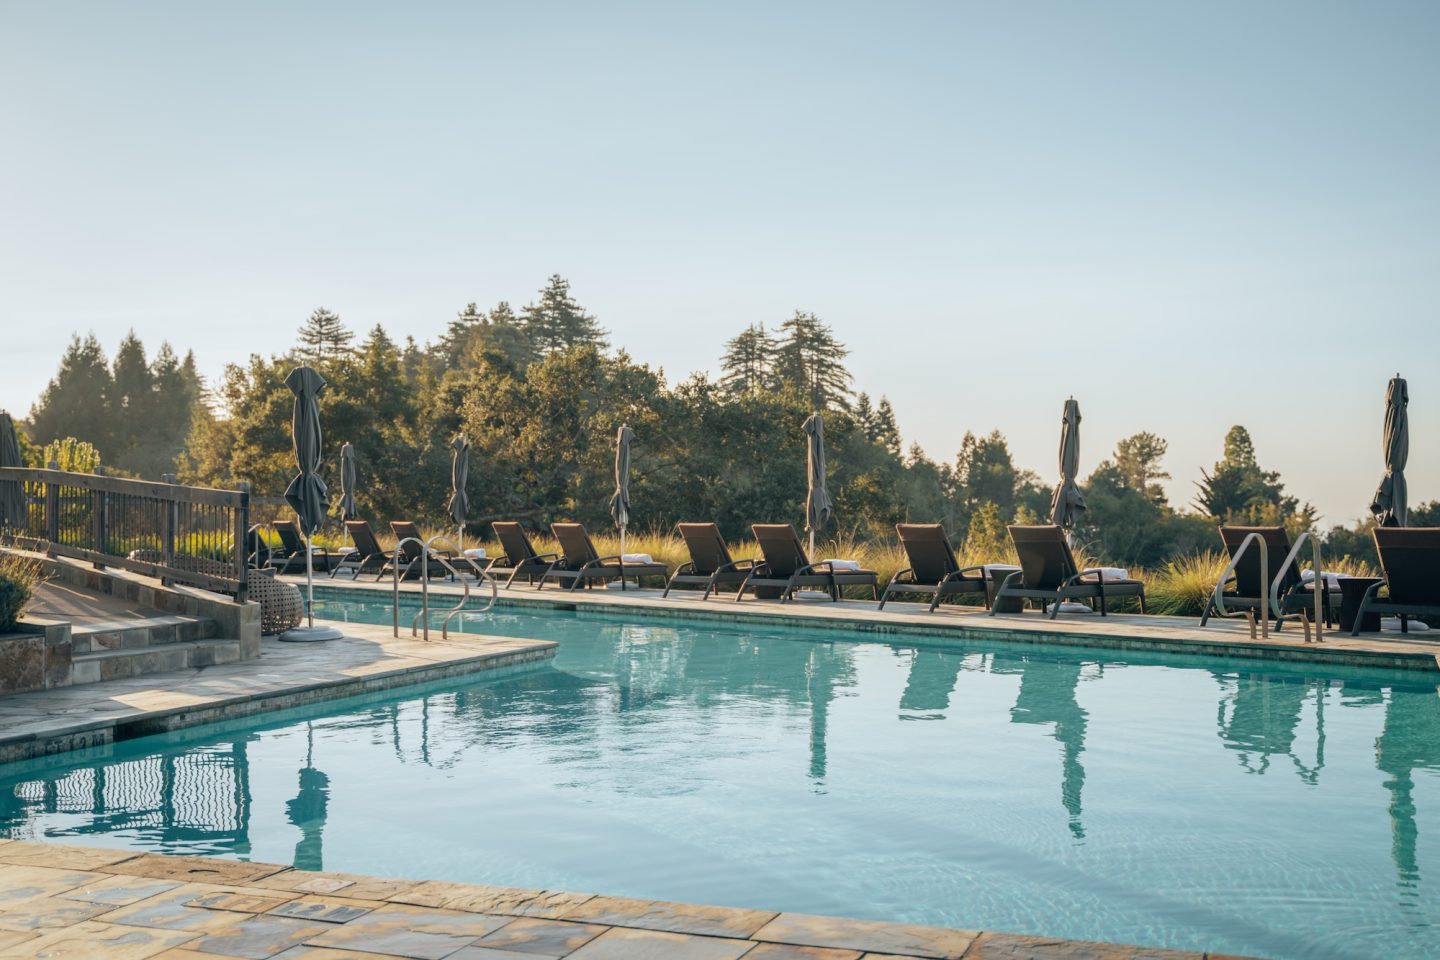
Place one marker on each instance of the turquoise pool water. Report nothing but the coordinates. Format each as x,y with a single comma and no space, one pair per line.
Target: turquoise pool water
1173,801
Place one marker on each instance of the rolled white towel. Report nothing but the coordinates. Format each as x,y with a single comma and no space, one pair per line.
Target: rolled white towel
1111,574
345,551
844,564
636,558
475,553
1332,580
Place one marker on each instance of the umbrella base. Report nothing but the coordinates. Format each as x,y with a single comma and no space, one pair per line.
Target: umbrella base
1392,624
310,634
1070,606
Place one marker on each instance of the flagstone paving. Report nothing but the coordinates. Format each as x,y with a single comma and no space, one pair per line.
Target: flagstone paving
127,906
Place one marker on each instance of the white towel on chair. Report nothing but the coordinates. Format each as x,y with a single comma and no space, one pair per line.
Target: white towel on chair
475,553
1111,574
844,564
636,558
1332,580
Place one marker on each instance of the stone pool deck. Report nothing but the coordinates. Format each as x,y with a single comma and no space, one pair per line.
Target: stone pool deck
1118,631
61,901
367,660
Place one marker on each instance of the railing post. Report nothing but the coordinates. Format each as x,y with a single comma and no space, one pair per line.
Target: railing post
52,506
242,528
99,522
167,536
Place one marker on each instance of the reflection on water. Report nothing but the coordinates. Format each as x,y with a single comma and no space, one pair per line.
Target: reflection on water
628,712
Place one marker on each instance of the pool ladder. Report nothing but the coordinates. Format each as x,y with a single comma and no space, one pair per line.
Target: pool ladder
421,621
1319,589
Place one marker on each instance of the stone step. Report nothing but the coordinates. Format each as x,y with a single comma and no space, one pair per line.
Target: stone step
141,634
140,661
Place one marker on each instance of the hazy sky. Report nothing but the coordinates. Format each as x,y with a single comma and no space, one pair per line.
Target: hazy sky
1186,215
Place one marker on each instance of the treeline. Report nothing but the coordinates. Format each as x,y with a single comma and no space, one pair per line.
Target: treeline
540,394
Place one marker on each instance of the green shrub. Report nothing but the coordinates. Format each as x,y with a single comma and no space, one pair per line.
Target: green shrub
1182,587
18,579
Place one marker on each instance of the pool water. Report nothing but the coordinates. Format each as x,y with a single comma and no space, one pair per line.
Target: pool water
1174,801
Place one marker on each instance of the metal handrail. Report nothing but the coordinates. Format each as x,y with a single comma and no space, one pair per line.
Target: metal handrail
1219,598
424,586
1320,590
421,620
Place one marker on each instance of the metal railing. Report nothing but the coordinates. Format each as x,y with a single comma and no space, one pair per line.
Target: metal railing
180,534
1270,604
421,620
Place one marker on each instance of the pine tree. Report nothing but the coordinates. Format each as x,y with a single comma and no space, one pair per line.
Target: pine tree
130,403
1138,460
810,359
557,322
887,431
323,338
73,404
503,337
455,342
747,365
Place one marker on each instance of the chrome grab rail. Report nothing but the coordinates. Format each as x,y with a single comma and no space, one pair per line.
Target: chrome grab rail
1219,597
424,587
1319,589
421,619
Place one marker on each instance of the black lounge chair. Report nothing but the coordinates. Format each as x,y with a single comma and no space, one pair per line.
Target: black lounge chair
933,570
520,559
291,554
257,551
408,546
710,563
580,563
1250,592
1048,573
786,568
368,555
1410,560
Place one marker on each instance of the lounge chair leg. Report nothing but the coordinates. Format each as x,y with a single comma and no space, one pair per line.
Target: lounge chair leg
1055,607
1142,602
883,599
1205,614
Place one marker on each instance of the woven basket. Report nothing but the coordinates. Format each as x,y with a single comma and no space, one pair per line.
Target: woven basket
281,606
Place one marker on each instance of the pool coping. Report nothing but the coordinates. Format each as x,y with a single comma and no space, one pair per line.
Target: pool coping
90,900
1152,633
367,660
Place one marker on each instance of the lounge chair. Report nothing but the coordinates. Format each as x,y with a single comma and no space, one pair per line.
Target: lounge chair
786,568
581,564
933,570
408,544
1250,592
368,554
291,555
257,551
710,563
1048,573
520,559
1410,560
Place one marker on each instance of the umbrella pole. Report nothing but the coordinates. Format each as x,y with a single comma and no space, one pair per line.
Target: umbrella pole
812,544
309,582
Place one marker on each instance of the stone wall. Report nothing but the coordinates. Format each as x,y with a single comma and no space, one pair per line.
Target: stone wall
35,657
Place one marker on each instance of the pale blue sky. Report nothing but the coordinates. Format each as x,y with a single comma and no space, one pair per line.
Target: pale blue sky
1188,216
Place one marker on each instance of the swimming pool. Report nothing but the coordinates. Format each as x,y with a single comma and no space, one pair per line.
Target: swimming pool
1166,800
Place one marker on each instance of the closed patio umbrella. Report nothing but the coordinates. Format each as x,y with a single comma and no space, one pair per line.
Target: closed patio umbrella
817,498
348,510
12,494
306,493
459,504
1068,502
620,500
1391,498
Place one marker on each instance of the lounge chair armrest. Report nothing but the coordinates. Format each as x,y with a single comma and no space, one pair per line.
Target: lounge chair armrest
685,568
959,575
816,568
735,566
966,570
900,576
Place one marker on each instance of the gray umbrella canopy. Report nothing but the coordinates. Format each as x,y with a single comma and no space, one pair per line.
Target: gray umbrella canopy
1068,502
12,494
1391,499
459,504
620,500
817,498
306,493
348,510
